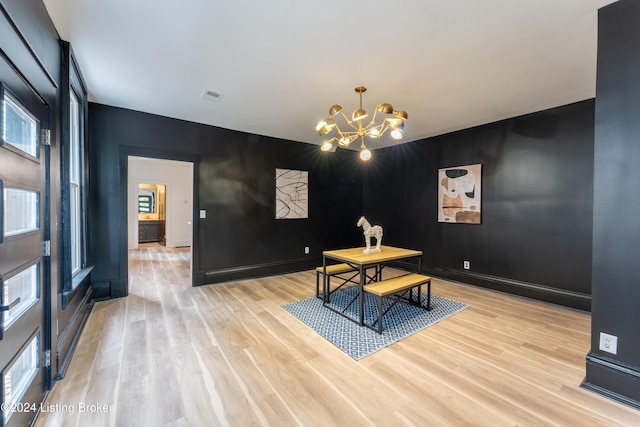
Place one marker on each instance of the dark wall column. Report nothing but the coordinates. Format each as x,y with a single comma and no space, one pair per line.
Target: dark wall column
613,365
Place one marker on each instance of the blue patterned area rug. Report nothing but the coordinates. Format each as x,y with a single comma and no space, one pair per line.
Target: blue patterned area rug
359,341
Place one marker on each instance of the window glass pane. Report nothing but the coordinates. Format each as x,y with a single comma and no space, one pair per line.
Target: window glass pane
75,167
23,285
74,163
144,204
19,129
21,211
75,228
20,375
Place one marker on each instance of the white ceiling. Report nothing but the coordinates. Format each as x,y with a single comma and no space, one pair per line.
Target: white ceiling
280,64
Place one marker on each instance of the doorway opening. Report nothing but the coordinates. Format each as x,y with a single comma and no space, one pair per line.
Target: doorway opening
160,205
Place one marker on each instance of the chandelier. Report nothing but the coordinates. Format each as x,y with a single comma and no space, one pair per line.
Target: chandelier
389,119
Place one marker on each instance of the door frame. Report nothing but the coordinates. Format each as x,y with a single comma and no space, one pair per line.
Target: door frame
197,275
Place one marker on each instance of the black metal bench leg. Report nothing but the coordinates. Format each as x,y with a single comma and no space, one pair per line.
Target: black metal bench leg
380,315
327,290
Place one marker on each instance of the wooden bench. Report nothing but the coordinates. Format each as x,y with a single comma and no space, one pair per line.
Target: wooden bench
335,270
394,286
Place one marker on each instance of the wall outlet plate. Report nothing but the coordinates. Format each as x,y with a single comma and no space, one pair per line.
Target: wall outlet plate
306,250
203,213
465,265
608,343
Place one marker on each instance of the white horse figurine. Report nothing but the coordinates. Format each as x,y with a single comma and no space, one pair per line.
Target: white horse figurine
369,231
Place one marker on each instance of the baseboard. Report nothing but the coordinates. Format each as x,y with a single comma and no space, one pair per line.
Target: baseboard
68,339
108,290
613,380
101,290
199,277
562,297
178,243
261,270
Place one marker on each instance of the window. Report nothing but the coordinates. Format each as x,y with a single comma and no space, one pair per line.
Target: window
20,211
145,203
19,128
75,168
76,262
23,287
20,375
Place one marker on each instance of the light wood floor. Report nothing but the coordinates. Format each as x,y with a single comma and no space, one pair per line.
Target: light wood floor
229,355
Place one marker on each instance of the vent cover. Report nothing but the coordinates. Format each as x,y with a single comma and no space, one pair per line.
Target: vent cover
212,96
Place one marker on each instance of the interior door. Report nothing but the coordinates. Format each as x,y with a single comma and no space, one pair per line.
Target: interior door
23,264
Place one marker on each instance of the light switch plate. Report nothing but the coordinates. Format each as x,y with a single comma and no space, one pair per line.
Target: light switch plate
203,213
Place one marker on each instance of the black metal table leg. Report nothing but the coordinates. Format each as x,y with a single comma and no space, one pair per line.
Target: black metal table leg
361,295
325,294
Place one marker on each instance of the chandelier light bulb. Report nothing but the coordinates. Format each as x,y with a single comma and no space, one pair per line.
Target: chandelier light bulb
345,141
365,154
327,146
396,134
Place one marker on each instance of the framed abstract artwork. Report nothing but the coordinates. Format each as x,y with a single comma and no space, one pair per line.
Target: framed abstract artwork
292,194
460,194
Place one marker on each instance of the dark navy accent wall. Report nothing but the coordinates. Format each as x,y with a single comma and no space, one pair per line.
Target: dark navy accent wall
616,223
235,184
537,189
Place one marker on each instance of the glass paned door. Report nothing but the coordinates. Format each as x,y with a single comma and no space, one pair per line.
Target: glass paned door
23,187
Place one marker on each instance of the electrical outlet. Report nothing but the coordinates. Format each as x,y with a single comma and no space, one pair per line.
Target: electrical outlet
306,250
203,213
608,343
465,265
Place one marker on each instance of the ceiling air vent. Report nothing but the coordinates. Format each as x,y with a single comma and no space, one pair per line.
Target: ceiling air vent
212,96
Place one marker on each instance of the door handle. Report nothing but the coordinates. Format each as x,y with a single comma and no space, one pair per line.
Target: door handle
10,306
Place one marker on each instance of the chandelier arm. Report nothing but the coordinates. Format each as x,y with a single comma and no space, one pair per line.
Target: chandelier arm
345,133
373,120
351,135
346,119
337,128
384,129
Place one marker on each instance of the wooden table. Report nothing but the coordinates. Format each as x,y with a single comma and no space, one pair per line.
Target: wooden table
361,261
